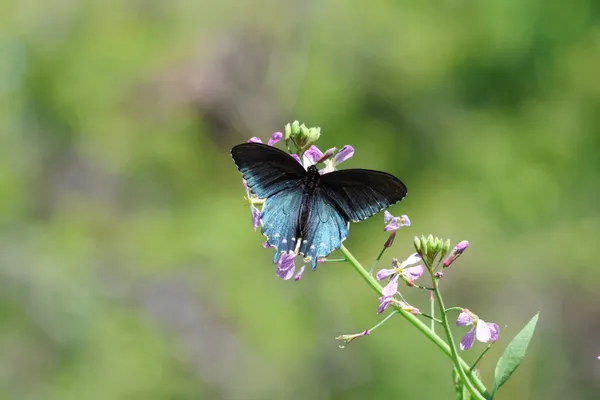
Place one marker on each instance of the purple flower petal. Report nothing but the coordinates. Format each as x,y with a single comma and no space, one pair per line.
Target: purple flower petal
467,340
295,157
255,216
298,276
311,156
384,273
275,137
483,331
392,226
387,216
405,220
285,274
285,265
384,302
462,246
254,139
345,153
413,273
391,288
494,330
266,245
412,259
464,319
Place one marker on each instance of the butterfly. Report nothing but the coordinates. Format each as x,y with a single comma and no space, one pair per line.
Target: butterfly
304,211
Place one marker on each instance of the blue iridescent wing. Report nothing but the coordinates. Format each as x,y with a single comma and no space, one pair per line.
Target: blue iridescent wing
266,169
325,230
360,193
279,218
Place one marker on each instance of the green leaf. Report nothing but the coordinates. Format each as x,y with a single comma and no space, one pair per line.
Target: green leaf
513,354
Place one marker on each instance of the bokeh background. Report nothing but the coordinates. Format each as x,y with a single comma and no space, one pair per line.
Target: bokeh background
129,268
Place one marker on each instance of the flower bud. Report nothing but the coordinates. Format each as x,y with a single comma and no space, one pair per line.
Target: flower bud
287,132
424,246
295,127
417,243
455,253
313,135
445,248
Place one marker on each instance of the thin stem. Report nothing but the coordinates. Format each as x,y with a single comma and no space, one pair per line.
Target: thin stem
479,358
432,309
453,309
412,319
439,321
377,260
383,320
335,260
460,369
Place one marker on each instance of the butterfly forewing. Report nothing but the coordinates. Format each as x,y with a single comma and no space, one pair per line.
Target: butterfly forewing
266,169
360,193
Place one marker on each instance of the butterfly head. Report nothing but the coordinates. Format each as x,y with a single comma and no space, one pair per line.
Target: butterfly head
313,170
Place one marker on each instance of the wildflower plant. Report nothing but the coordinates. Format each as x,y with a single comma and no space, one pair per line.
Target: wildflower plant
431,260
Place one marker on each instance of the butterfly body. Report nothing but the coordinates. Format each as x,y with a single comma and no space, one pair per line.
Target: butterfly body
304,211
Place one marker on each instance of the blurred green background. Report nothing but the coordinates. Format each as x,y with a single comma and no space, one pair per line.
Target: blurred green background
128,265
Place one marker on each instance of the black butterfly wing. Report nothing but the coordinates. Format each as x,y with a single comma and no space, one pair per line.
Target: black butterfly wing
325,229
266,169
360,193
279,218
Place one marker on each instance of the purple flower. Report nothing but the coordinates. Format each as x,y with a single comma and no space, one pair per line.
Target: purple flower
408,274
482,331
275,137
286,266
311,156
394,223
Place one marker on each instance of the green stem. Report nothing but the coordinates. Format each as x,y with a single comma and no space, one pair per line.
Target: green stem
431,318
479,358
432,310
454,353
453,309
377,260
384,320
413,320
335,260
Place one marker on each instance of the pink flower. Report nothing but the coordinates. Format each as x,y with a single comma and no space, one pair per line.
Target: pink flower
482,331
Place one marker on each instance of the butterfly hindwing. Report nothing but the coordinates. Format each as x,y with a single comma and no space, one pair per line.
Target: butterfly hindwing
279,219
325,231
360,193
266,169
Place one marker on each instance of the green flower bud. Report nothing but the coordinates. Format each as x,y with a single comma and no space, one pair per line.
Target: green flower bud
295,127
287,132
424,246
445,248
417,243
313,135
431,243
